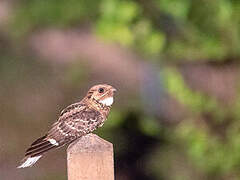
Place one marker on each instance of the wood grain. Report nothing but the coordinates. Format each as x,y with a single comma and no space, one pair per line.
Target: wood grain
90,158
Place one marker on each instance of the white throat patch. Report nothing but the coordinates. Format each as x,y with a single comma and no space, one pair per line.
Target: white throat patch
107,101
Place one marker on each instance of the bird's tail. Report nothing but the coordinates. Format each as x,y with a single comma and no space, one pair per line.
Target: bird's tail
35,152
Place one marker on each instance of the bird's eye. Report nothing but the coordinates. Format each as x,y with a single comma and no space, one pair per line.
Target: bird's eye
100,90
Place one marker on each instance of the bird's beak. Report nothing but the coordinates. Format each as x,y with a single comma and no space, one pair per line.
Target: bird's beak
114,90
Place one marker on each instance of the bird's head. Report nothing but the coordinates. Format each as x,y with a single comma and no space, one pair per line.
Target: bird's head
102,93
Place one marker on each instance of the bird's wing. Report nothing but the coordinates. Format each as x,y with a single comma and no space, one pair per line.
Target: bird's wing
75,121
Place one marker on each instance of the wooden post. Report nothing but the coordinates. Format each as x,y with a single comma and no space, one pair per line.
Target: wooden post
90,158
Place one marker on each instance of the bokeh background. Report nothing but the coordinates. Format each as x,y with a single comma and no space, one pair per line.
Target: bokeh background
175,64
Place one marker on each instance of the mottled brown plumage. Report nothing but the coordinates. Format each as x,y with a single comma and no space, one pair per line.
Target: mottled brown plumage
74,121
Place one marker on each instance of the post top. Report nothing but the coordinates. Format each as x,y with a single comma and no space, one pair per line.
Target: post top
89,143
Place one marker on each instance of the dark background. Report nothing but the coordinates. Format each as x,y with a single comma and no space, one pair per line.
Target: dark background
175,64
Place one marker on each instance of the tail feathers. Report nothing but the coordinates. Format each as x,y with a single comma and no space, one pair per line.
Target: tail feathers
38,147
39,140
29,161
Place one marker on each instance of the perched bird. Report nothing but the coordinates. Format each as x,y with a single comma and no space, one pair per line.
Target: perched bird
75,121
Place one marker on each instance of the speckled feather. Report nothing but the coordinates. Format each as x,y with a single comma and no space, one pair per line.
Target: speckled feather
75,121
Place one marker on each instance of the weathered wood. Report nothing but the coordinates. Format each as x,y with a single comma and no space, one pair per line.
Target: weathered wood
90,158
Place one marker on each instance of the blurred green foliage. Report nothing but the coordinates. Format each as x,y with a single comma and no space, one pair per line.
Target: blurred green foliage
33,14
206,143
204,29
214,153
